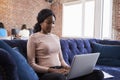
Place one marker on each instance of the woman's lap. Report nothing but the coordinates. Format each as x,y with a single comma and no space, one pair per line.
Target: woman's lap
53,76
95,75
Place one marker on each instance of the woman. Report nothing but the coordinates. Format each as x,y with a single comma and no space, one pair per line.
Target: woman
44,51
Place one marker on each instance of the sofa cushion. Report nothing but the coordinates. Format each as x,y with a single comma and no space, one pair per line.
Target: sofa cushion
109,62
8,66
110,54
21,44
71,47
25,71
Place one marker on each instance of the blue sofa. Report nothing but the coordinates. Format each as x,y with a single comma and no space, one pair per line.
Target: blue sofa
109,60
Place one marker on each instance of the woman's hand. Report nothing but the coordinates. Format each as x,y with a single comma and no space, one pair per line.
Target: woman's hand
63,71
67,67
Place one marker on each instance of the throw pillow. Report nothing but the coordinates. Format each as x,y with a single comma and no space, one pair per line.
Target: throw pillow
107,51
109,54
25,71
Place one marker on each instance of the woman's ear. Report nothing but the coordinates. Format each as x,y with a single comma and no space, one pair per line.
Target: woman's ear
40,24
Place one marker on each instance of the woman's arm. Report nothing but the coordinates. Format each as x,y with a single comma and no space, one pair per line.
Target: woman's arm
63,63
31,56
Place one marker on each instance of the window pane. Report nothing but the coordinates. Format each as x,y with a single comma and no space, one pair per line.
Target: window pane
72,20
107,19
89,19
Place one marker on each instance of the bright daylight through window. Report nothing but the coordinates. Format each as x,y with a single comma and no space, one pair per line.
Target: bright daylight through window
80,19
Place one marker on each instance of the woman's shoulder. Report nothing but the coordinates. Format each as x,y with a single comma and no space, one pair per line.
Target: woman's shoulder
34,35
37,35
54,35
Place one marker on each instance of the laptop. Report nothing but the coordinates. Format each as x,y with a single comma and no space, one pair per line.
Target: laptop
82,65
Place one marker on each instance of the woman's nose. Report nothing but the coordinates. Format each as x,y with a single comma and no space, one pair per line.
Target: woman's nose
53,25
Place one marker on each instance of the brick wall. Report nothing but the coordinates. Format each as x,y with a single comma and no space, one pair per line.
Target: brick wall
116,19
14,13
57,8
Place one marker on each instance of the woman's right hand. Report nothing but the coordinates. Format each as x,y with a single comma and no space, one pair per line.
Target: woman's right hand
62,71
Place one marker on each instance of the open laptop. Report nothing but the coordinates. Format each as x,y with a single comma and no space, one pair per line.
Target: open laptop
82,65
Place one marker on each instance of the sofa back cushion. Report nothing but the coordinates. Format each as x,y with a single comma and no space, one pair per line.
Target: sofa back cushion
71,47
110,42
21,44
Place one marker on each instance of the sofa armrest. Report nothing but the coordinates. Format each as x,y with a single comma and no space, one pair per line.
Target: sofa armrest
8,66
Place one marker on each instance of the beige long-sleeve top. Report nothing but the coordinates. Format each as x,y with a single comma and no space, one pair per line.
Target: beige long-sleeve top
44,51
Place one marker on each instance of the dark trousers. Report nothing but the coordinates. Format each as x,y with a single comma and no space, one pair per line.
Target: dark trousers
95,75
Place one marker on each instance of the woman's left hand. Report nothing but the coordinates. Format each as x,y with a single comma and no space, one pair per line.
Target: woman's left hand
67,69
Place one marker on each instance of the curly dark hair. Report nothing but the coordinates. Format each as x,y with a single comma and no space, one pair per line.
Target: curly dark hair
42,15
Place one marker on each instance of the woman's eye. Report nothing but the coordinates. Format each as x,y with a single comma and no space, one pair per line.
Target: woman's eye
48,22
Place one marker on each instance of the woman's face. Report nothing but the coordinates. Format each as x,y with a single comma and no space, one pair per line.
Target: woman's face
48,24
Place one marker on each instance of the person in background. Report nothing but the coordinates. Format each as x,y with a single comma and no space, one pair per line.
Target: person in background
44,51
3,31
24,32
30,30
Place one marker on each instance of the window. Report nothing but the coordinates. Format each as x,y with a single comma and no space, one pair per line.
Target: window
107,19
72,21
87,18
